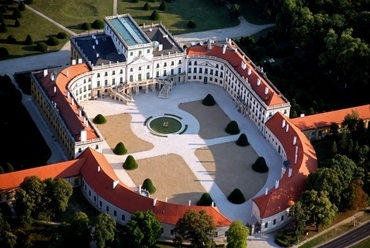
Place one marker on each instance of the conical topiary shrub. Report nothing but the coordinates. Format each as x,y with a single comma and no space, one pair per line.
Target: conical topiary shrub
130,163
236,197
209,100
147,6
191,24
28,40
232,128
52,41
205,200
99,119
86,26
21,6
242,140
120,149
1,170
98,24
148,185
163,6
260,165
154,16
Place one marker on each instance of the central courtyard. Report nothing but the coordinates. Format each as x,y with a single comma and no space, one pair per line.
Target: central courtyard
183,166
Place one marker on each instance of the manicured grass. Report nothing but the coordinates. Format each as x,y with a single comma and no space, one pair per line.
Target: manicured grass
206,14
158,125
32,24
72,14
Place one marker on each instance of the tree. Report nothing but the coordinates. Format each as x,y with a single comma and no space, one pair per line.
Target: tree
142,230
52,41
333,148
242,140
205,200
163,6
98,24
41,46
62,35
208,100
57,193
237,235
28,40
260,165
130,163
154,16
99,119
86,26
318,207
7,238
234,11
232,128
196,227
17,23
105,227
148,185
350,121
236,197
147,6
120,149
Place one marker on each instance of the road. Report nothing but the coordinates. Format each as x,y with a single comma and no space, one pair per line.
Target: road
350,238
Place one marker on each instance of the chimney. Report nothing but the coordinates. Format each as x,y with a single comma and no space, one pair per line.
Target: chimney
115,183
296,150
97,55
96,42
68,94
166,199
244,65
213,204
294,140
84,120
276,184
283,124
73,101
45,72
209,45
67,73
55,104
282,171
189,202
154,201
235,50
295,159
230,41
74,61
266,191
140,189
258,81
55,89
266,90
79,112
98,168
224,49
52,77
79,61
249,71
83,135
87,123
287,128
290,172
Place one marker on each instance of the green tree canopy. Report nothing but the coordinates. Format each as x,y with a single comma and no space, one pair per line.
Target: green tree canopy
142,231
237,235
105,227
196,227
7,238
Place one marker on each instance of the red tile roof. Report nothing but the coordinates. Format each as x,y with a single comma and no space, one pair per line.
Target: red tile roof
60,170
68,112
290,188
235,59
102,183
325,119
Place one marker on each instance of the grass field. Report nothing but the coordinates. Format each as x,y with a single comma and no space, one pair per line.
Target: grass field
206,14
32,24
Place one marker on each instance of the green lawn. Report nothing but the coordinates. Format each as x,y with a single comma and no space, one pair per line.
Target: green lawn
32,24
206,14
72,14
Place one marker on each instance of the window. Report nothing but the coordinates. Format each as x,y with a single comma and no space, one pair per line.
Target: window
147,50
172,232
165,64
179,71
266,224
89,193
180,62
217,66
148,67
131,69
164,73
140,52
131,53
113,81
121,71
123,217
282,218
189,70
162,230
100,204
106,73
200,70
115,213
113,72
189,63
131,78
194,77
147,75
107,208
206,71
105,82
157,65
172,71
98,74
172,62
157,74
222,67
94,198
139,77
200,77
211,72
195,63
195,70
121,80
139,68
274,222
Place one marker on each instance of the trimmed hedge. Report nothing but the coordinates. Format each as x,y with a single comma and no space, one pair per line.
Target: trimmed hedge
17,23
147,6
209,100
191,24
154,16
2,19
205,200
4,52
9,167
130,163
260,165
1,170
242,140
41,46
99,119
163,6
62,35
98,24
3,9
28,40
11,39
3,28
21,6
232,128
17,14
86,26
236,197
52,41
120,149
148,185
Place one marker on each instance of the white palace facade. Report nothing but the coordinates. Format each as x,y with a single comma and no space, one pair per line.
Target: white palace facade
125,59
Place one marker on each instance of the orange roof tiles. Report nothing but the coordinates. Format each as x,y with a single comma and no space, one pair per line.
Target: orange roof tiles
325,119
235,59
290,188
124,198
60,170
57,92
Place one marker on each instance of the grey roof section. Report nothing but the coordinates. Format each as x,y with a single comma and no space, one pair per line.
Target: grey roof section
100,50
128,30
160,34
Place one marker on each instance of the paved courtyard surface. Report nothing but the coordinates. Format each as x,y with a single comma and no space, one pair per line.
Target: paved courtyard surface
185,145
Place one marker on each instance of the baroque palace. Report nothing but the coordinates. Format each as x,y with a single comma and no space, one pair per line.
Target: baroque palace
126,59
